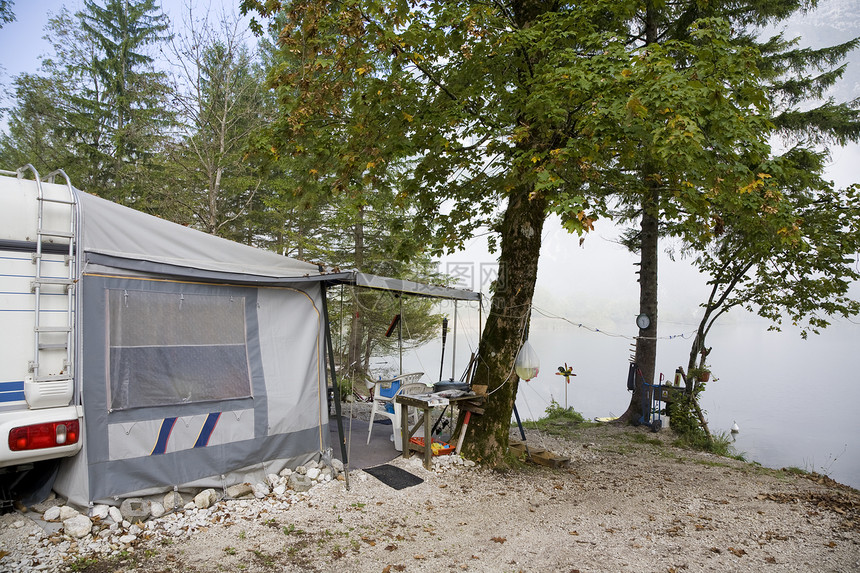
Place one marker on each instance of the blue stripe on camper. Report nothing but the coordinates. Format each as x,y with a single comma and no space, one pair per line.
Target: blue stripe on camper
207,429
12,391
163,436
12,386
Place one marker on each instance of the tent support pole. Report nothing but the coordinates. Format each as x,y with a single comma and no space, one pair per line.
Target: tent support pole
480,317
400,332
335,388
454,344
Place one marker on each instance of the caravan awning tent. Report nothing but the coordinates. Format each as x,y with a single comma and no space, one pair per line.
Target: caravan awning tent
201,362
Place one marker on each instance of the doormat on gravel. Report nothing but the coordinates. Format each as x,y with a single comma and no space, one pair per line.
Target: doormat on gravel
393,476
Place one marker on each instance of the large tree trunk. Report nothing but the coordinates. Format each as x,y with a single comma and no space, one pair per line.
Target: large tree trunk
486,440
487,435
646,345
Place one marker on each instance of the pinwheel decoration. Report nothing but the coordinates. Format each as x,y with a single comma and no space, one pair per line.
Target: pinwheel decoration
567,372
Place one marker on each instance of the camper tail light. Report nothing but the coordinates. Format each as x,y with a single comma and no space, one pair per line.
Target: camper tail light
47,435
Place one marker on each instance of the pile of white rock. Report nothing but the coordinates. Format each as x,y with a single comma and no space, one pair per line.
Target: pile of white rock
105,530
452,463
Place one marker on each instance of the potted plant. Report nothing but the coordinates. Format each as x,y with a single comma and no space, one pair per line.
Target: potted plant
701,374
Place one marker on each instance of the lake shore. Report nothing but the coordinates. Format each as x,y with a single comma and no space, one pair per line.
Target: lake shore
629,501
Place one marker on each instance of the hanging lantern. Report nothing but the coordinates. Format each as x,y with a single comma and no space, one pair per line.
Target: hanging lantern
527,364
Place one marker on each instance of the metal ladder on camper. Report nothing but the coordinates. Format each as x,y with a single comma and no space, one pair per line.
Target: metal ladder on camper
45,337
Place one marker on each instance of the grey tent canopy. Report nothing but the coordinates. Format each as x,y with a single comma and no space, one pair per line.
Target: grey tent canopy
409,287
118,236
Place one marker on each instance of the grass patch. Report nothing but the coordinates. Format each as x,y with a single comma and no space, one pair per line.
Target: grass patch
291,529
620,449
711,463
111,563
83,564
555,412
719,444
641,438
560,421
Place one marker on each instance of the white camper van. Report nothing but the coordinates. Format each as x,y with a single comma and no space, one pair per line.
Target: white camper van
39,416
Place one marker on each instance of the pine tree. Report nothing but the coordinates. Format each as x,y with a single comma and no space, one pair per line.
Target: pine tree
127,94
99,108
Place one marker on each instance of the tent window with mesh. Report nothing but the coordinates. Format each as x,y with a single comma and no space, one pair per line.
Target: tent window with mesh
172,348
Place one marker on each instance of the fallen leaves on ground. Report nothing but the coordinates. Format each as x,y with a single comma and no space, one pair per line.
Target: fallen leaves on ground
844,504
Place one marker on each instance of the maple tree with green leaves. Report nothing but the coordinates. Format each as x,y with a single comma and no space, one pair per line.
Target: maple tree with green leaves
6,13
782,244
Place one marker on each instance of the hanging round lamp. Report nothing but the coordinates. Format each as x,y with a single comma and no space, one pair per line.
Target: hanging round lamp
527,364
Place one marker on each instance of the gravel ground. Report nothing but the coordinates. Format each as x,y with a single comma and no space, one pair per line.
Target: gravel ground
629,501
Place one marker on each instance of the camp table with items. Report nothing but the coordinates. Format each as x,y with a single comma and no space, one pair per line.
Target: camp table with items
425,403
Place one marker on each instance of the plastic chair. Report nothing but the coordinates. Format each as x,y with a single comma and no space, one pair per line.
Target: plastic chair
403,384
